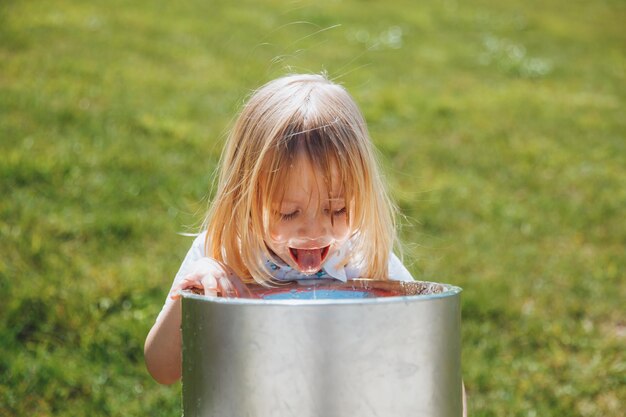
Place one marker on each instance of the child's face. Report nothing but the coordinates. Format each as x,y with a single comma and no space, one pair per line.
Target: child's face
301,232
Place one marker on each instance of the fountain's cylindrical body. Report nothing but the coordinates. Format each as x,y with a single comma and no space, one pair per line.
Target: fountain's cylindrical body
385,357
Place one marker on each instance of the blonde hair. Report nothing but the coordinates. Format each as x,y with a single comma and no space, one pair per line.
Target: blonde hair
292,114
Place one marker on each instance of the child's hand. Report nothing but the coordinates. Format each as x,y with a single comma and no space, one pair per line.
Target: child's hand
210,277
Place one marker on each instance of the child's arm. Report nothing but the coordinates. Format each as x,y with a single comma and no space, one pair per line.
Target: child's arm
162,350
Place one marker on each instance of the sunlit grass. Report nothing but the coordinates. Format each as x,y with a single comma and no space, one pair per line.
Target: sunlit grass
501,130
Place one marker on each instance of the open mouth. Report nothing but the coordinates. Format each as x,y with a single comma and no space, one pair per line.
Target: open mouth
309,261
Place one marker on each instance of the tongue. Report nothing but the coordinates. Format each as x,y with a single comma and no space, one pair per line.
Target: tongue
309,260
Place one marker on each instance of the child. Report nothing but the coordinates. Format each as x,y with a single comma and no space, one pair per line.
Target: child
299,197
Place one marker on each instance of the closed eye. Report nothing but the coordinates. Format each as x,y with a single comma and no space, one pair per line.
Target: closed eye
340,212
288,216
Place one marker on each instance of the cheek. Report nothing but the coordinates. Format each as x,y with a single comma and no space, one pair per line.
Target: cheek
279,232
274,233
341,229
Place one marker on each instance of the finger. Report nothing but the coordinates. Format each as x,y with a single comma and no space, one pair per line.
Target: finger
190,282
209,283
175,292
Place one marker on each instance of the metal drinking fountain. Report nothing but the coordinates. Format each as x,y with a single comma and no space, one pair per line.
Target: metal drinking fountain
362,348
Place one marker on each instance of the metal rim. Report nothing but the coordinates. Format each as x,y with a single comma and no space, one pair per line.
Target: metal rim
450,291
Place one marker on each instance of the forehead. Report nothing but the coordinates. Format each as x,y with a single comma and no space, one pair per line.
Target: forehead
303,177
303,181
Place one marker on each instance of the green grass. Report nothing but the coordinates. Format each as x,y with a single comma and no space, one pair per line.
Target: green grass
501,128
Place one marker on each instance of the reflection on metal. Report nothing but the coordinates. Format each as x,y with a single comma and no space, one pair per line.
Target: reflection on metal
390,355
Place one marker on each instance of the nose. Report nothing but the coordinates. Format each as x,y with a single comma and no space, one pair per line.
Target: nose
314,226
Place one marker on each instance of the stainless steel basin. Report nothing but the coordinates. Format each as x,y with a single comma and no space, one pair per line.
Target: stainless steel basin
286,354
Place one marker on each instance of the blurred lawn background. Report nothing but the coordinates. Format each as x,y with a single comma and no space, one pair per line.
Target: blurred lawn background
501,129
